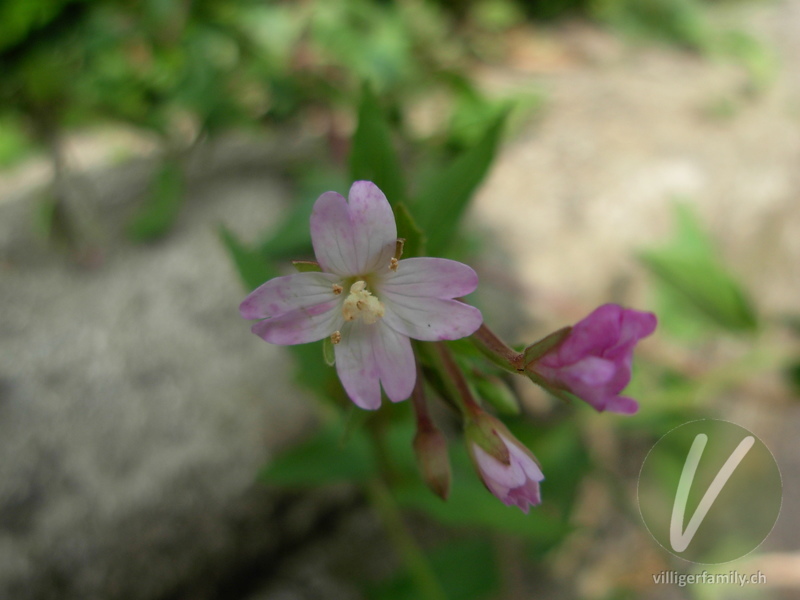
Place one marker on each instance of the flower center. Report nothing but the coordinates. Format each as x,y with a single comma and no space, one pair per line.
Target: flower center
360,303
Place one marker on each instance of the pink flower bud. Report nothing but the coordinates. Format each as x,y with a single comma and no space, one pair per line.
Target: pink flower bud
515,481
594,361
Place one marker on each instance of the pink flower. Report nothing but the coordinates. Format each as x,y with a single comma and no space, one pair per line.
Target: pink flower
365,300
516,482
594,361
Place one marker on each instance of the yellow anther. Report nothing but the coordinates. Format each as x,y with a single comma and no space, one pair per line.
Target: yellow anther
362,304
336,337
393,264
337,289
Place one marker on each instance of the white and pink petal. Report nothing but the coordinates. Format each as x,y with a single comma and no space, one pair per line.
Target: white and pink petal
302,325
374,227
356,365
283,294
332,235
353,237
430,277
430,319
395,360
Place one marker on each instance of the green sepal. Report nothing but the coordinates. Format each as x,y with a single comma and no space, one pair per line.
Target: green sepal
483,431
327,352
306,266
538,349
559,393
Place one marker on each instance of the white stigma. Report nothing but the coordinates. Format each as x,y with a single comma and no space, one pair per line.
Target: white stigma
360,303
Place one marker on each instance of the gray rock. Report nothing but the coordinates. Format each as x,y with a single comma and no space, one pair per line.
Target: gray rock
135,406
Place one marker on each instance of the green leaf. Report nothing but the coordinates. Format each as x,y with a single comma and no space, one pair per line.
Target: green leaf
322,459
410,231
293,236
466,569
312,373
372,156
253,268
689,268
441,203
160,211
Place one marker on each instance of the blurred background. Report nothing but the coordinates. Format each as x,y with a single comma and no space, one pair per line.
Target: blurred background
160,158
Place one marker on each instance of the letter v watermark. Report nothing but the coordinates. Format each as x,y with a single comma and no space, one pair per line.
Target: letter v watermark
680,540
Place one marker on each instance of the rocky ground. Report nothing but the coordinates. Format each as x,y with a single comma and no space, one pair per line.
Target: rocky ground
136,408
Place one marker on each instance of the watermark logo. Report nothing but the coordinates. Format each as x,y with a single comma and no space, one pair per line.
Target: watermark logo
710,491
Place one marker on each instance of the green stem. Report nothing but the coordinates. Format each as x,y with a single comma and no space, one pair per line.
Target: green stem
415,560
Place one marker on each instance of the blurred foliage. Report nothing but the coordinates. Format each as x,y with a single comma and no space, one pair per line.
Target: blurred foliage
183,71
696,284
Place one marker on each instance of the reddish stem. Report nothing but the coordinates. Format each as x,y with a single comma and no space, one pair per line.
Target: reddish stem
457,377
498,349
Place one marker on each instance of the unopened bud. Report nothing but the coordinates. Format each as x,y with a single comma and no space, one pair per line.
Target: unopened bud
483,431
515,482
430,447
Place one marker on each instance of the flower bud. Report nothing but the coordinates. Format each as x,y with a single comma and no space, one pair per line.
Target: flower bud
514,480
593,359
430,447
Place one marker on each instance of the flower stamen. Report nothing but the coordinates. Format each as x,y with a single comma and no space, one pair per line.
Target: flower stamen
393,264
362,304
337,289
336,337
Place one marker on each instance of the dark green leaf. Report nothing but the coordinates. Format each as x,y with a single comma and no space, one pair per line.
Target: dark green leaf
157,215
312,373
410,231
251,265
441,203
467,570
293,236
322,459
372,156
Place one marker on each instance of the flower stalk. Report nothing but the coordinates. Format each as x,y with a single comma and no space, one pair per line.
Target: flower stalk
497,350
416,562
